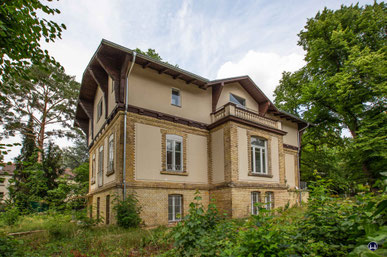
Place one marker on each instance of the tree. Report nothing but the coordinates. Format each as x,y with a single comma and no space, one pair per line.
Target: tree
343,85
21,31
48,97
153,54
76,155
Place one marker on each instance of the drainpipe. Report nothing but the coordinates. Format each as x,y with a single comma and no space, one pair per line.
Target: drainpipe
298,158
126,111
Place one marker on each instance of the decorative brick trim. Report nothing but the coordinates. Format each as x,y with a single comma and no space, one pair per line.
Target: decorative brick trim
260,175
178,173
266,137
292,147
164,133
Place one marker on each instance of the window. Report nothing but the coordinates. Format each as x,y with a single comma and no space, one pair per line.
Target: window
93,169
98,199
174,207
107,209
258,155
239,101
175,99
174,153
269,200
2,181
1,195
99,109
111,154
100,166
255,198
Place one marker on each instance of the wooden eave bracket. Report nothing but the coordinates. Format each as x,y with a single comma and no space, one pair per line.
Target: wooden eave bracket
263,107
123,77
113,71
216,92
102,82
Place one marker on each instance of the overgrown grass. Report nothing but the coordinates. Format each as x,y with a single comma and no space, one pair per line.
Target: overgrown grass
61,237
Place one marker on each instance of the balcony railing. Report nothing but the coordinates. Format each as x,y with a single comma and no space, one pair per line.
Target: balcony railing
243,113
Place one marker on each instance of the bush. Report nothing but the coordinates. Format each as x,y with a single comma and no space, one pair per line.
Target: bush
202,232
128,212
9,246
60,226
10,216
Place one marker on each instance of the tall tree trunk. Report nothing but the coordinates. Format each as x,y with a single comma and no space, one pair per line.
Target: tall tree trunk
42,132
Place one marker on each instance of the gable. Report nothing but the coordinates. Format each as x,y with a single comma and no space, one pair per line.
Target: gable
237,90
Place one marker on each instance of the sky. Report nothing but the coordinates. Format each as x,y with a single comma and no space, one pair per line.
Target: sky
214,39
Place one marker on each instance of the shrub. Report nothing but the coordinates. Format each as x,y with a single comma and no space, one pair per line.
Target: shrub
9,246
202,232
128,212
60,226
10,216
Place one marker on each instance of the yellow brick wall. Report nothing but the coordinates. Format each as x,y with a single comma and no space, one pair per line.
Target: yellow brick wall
231,197
154,203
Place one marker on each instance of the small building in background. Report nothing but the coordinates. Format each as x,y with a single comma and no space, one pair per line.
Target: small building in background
6,174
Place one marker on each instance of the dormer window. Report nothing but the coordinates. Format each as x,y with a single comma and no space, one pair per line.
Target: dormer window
239,101
175,98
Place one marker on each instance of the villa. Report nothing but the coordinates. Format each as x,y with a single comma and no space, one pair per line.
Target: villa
163,133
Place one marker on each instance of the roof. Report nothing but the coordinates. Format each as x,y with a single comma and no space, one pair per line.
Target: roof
8,169
114,59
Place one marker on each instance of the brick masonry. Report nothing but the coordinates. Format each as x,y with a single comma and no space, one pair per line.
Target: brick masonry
232,196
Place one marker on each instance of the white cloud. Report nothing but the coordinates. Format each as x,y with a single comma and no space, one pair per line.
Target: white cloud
264,68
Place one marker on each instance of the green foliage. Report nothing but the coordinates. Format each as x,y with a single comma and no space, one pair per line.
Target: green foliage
127,212
47,97
9,247
75,156
10,216
342,88
151,53
195,231
19,24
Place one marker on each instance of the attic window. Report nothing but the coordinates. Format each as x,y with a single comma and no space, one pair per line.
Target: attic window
175,98
239,101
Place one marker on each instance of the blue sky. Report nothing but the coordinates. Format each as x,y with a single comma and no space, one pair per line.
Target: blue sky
212,38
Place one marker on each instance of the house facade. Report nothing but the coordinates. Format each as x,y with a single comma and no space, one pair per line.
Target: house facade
182,133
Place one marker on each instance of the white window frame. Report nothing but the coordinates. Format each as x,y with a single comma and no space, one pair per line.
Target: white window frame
175,199
179,101
269,197
174,139
99,109
100,166
255,199
259,148
111,153
93,164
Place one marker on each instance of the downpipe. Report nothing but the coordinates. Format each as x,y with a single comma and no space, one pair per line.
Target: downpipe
125,119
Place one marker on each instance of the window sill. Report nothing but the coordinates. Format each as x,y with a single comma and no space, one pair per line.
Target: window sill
176,105
109,173
260,175
171,172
